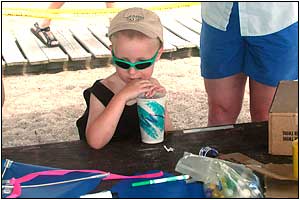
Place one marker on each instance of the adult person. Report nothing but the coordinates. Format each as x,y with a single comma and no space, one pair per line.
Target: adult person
258,40
3,93
43,32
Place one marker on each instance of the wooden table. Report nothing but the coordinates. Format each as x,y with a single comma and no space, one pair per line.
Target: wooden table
129,157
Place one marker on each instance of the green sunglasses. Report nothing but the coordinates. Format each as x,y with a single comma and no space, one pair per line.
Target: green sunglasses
140,65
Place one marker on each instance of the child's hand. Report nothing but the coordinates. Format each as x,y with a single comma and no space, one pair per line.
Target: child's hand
136,87
156,88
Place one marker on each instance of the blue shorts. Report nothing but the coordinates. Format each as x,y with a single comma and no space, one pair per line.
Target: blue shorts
266,59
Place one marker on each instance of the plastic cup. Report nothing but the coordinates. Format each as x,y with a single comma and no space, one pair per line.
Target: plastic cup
151,112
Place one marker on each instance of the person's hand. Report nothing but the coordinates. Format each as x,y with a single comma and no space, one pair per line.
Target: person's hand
136,87
156,88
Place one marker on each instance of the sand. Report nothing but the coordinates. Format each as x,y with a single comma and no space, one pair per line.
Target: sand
44,108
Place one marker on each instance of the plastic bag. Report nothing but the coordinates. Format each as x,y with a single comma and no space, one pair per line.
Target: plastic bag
222,179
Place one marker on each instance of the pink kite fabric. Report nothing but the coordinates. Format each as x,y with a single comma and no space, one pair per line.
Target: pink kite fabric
16,183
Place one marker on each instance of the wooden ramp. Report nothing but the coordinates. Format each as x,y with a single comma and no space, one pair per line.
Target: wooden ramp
88,47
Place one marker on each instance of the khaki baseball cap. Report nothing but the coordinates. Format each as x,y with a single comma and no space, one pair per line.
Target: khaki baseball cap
139,19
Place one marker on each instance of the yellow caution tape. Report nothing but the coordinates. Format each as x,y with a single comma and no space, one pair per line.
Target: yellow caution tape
65,13
174,5
35,15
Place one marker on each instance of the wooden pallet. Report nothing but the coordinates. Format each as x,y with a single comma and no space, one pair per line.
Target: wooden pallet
87,47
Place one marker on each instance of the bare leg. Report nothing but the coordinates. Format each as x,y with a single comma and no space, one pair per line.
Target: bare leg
225,97
110,4
42,32
3,93
261,97
53,5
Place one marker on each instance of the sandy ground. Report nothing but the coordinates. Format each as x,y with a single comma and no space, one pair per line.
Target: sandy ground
44,108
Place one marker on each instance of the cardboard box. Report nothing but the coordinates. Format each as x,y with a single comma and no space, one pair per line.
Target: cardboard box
283,118
282,189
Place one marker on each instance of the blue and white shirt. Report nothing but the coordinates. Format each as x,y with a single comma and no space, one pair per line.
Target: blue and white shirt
256,18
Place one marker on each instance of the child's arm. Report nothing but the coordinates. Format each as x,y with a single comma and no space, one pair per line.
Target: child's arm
168,121
102,121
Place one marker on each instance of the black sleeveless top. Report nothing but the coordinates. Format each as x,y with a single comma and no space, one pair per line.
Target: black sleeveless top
128,126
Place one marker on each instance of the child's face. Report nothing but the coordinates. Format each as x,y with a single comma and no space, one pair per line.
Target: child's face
135,50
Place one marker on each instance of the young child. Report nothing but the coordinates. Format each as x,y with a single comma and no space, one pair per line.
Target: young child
136,35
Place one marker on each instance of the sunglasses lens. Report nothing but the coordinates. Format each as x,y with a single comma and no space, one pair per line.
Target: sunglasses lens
122,64
143,65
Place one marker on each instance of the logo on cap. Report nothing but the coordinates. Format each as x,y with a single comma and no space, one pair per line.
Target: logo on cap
134,18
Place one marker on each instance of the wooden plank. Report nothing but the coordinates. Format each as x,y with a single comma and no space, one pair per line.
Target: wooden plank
94,46
198,19
196,14
168,47
69,44
17,69
30,47
180,30
2,63
100,31
54,54
193,12
190,24
10,51
176,41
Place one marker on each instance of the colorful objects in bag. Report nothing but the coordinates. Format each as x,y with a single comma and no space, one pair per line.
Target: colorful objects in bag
208,152
222,179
